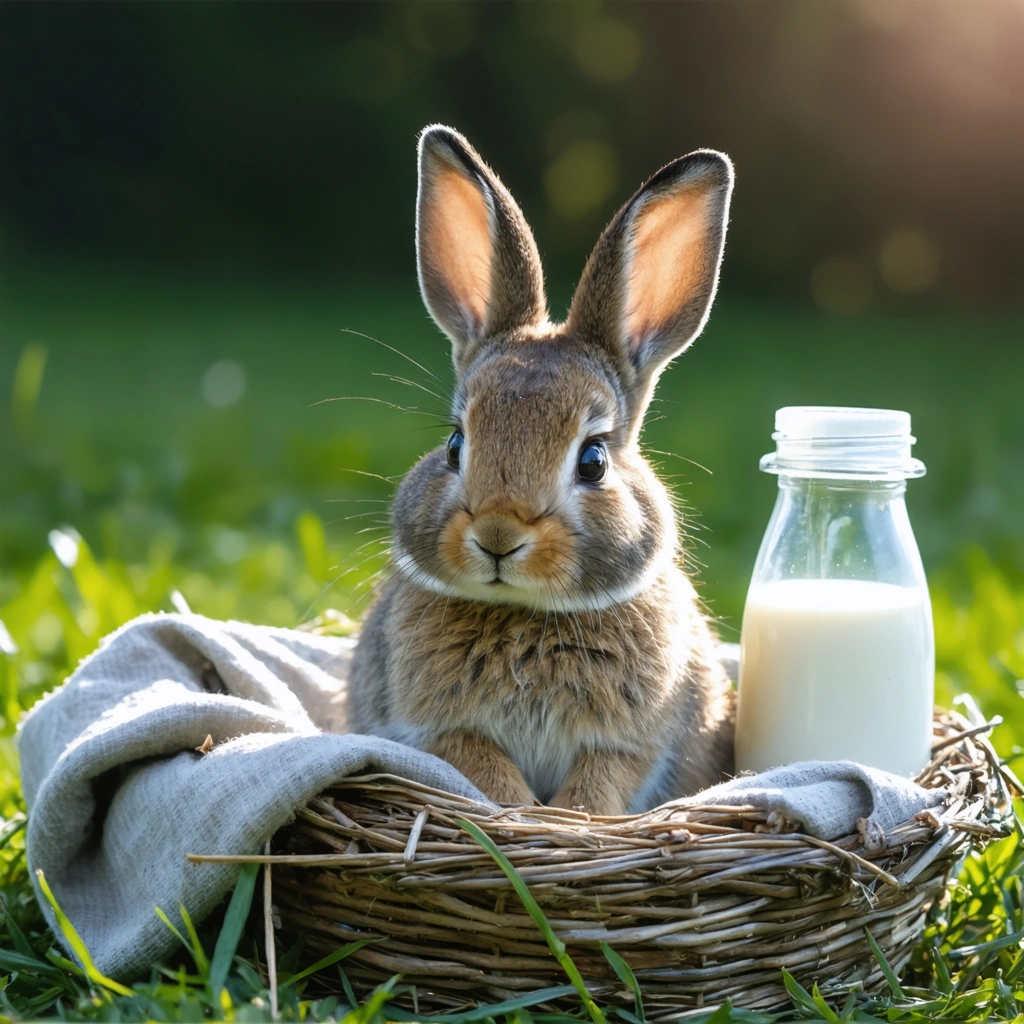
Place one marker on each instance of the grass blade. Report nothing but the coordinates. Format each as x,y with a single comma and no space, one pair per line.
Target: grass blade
490,1010
542,995
890,975
202,964
12,827
992,946
198,953
231,930
798,993
367,1013
941,970
43,999
21,944
848,1006
625,974
11,961
74,940
723,1015
167,921
823,1008
347,987
327,961
555,944
627,1015
64,963
1016,969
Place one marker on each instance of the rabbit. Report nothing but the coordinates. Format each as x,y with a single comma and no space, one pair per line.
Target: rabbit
537,631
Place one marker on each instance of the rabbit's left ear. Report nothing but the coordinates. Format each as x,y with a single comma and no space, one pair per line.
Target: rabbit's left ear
647,288
478,265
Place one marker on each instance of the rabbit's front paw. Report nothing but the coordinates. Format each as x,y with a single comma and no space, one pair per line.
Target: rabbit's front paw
485,764
602,782
506,789
578,798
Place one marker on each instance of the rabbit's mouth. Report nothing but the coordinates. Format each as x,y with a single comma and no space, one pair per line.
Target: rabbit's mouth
497,588
512,571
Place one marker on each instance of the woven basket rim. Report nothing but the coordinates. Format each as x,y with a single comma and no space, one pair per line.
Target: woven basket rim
705,822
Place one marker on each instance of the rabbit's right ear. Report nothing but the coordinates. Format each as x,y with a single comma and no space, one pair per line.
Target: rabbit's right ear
478,265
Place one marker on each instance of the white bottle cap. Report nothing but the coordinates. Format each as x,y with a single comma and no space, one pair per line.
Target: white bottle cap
843,443
823,421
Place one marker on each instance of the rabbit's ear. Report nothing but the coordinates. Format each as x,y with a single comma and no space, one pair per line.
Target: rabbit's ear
647,287
479,269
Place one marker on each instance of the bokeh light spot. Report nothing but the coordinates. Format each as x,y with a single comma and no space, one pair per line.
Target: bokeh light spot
606,49
573,125
841,285
47,633
7,644
909,261
64,543
581,178
227,544
223,384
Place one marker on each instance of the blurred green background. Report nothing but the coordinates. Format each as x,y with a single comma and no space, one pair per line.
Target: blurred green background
206,217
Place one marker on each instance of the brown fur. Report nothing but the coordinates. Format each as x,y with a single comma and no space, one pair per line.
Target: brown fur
537,632
622,684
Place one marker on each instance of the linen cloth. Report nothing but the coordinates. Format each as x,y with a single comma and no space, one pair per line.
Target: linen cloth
119,789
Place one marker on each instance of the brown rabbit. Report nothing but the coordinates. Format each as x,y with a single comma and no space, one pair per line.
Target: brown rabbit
537,631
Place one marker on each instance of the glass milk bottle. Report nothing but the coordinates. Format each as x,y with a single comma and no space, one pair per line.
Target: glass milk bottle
838,651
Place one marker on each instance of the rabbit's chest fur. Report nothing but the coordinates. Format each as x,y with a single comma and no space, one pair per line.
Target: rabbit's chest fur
542,687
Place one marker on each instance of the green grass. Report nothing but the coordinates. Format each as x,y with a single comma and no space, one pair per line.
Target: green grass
124,492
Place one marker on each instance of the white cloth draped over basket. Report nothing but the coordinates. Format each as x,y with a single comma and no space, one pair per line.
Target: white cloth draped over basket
119,790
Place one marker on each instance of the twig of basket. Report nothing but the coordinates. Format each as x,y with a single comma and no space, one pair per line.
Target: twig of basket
967,734
268,934
414,835
854,858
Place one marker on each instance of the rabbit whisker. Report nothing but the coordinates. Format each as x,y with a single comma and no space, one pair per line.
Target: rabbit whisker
363,398
410,383
676,455
392,480
408,358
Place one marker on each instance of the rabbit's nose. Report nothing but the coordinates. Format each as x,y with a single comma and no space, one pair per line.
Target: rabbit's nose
498,555
497,537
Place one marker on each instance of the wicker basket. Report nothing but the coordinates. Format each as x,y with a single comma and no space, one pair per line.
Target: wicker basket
703,903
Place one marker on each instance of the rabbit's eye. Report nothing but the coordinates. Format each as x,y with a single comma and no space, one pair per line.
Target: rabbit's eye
592,463
454,448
